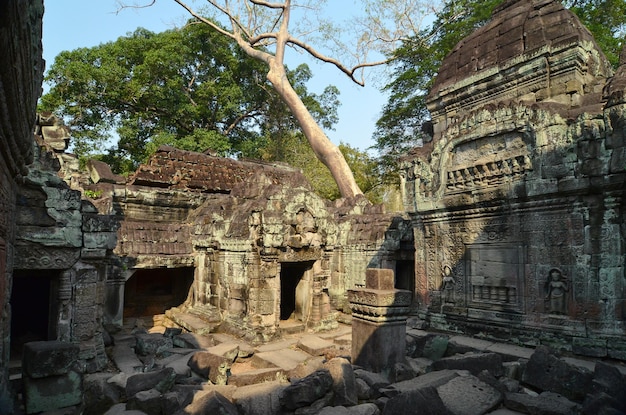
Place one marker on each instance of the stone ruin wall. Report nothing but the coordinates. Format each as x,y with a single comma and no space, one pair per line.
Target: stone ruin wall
523,179
21,74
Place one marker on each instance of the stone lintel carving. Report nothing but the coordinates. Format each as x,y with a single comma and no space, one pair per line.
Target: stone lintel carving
40,257
380,298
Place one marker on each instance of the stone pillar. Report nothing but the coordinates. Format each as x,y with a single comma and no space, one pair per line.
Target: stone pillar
379,313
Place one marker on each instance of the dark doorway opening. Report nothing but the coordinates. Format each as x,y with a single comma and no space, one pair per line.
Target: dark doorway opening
293,290
405,275
150,292
34,307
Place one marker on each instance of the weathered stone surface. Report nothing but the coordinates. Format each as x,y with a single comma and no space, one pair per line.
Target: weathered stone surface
429,380
426,399
48,358
210,402
161,380
468,395
344,381
255,376
148,401
305,391
543,404
259,399
210,366
153,344
472,362
548,372
52,392
98,394
315,345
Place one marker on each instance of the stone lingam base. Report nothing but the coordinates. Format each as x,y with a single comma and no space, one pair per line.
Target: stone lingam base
379,313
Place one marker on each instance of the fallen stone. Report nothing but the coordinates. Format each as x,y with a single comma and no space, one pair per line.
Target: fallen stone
255,376
344,381
467,395
363,390
305,391
545,371
608,379
48,358
364,409
547,403
210,366
52,392
314,345
209,402
401,371
172,402
375,381
306,367
435,347
125,359
420,365
146,401
285,359
161,380
152,344
228,350
98,393
464,344
259,399
277,346
603,403
426,400
193,341
179,364
472,362
429,380
317,406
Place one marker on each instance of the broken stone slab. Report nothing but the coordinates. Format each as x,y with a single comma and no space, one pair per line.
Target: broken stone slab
179,363
429,380
259,399
193,341
468,395
161,380
306,367
464,344
344,382
546,403
279,345
228,350
426,399
314,345
472,362
510,352
125,359
48,358
375,381
52,392
345,340
210,366
305,391
153,344
285,359
209,402
546,371
420,365
98,393
255,376
148,401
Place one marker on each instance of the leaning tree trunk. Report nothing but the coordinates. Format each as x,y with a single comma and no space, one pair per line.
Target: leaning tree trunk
324,149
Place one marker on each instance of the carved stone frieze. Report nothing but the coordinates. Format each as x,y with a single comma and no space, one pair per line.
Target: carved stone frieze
40,257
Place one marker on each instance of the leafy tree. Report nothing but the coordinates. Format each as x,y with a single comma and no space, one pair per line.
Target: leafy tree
189,88
404,118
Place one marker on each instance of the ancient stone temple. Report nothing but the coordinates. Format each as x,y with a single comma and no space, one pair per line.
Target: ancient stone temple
518,201
21,74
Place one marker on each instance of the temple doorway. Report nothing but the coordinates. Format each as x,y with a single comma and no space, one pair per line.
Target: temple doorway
405,275
34,307
150,292
295,290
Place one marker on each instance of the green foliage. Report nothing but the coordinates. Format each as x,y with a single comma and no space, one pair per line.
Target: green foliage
190,88
416,63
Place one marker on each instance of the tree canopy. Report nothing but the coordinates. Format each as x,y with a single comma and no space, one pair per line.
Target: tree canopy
416,62
189,87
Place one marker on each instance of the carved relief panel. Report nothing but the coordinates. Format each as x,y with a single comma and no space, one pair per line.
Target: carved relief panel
495,276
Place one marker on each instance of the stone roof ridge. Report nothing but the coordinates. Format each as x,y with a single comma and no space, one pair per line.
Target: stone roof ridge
615,89
517,27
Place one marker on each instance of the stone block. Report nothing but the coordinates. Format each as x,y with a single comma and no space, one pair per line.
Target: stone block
161,380
379,279
259,399
252,377
344,382
210,366
315,345
589,347
472,362
48,358
469,395
52,392
545,403
371,348
305,391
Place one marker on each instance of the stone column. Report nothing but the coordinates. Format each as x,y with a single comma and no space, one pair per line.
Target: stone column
379,313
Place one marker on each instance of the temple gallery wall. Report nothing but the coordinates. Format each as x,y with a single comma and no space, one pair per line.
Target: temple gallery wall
514,223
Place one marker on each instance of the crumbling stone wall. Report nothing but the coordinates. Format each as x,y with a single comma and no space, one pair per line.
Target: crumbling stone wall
21,72
518,201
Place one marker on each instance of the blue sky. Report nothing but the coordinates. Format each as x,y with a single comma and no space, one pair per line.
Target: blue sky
71,24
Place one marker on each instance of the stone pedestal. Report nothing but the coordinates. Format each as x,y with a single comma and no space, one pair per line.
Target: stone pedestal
379,313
